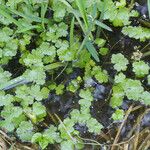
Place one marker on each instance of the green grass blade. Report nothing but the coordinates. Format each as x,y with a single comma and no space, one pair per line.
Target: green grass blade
98,32
94,11
81,7
28,28
21,80
75,13
12,83
27,17
29,5
92,50
71,32
4,13
148,4
102,25
44,7
85,38
53,66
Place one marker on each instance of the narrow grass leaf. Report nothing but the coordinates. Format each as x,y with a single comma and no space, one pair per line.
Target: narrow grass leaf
94,11
12,83
71,32
148,4
25,16
102,25
4,13
81,7
75,13
43,12
53,66
92,50
28,28
101,18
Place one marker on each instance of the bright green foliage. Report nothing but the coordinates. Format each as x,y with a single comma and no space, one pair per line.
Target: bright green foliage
68,133
36,113
145,98
4,76
116,12
119,78
94,126
38,1
52,86
90,47
132,88
121,4
100,42
49,136
74,84
26,39
140,69
80,62
36,75
148,79
103,51
38,37
39,111
67,145
119,61
5,34
27,94
55,32
25,131
83,116
118,115
47,50
100,75
71,145
64,52
117,96
59,89
67,128
5,100
86,95
138,32
45,53
12,115
4,20
13,3
8,45
59,10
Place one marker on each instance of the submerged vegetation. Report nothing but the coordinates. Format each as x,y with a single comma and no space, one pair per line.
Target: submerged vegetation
65,52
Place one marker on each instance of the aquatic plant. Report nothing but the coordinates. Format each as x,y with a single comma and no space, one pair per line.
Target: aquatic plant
48,41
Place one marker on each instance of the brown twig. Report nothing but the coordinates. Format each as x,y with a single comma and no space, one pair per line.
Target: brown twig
121,126
136,140
147,140
138,122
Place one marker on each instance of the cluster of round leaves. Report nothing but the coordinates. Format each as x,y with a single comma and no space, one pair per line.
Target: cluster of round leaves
51,45
66,133
8,45
116,12
30,106
138,32
131,88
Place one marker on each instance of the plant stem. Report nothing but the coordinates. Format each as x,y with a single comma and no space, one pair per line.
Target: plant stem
146,54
